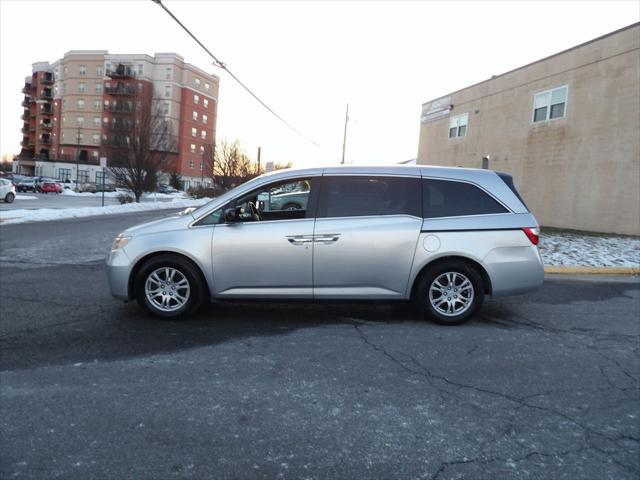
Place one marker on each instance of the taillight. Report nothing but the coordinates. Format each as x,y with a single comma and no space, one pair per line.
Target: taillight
532,234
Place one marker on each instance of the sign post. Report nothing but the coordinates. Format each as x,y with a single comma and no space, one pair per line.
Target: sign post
103,165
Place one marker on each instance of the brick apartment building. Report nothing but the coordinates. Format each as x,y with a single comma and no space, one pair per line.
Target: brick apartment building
74,107
567,128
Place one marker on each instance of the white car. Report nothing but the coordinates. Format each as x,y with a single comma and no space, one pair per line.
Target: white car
7,190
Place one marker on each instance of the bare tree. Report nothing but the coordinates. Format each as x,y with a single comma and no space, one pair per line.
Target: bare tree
140,139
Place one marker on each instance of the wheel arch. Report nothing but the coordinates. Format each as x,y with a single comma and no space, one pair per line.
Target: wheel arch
141,261
486,279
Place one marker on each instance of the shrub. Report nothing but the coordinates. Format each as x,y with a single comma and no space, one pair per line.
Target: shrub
125,198
201,192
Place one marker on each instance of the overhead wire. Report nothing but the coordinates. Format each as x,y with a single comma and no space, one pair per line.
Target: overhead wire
224,67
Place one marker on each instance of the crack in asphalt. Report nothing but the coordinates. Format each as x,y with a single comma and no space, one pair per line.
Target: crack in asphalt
426,373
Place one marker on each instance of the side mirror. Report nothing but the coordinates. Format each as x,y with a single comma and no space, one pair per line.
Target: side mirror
230,215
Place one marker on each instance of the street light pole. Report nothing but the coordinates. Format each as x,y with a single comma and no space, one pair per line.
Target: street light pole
344,139
78,160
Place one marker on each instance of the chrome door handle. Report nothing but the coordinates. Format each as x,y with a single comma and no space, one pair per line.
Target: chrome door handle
326,238
299,239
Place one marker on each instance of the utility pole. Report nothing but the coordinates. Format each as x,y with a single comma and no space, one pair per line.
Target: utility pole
344,139
78,160
259,160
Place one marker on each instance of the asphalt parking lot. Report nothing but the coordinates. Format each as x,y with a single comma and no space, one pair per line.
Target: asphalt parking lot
543,386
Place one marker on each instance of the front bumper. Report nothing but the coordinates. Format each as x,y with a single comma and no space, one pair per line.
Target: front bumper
118,271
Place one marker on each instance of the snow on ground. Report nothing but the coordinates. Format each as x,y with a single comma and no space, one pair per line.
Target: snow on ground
118,192
564,248
46,214
25,197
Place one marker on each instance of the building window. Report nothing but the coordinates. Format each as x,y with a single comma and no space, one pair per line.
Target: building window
64,88
80,121
99,71
549,104
94,153
167,74
196,99
108,68
195,116
83,175
203,135
165,108
96,122
206,87
82,87
458,125
205,102
201,149
55,91
64,120
82,70
197,82
193,148
167,90
96,139
98,87
204,119
81,104
96,105
64,174
191,163
140,69
194,132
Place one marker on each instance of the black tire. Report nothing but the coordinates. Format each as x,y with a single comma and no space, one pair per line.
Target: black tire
292,206
184,267
9,198
463,271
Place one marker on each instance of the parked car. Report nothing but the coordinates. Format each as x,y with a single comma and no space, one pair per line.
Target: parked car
108,187
51,187
88,187
69,184
27,185
166,189
7,190
440,237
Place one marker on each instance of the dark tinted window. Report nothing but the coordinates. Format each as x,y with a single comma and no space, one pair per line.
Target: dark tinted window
360,196
443,198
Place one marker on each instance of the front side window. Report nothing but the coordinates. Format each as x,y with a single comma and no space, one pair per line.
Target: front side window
196,99
448,198
366,196
98,87
81,104
82,87
458,125
82,70
99,71
550,104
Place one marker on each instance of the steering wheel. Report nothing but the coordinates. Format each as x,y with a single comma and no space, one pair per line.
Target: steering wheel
254,211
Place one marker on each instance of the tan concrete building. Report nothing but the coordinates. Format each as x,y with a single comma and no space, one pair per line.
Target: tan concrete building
69,105
567,128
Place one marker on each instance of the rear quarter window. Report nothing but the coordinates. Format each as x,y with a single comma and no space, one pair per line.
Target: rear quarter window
446,198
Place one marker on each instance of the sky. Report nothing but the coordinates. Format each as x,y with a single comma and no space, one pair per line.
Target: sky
307,60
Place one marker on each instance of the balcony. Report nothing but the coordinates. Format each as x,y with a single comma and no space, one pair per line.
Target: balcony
118,126
26,89
117,141
119,108
119,90
47,78
26,102
25,128
46,94
122,71
46,109
46,125
45,140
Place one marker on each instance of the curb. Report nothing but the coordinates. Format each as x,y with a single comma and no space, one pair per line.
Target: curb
576,270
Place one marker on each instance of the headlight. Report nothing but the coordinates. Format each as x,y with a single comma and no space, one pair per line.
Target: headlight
119,242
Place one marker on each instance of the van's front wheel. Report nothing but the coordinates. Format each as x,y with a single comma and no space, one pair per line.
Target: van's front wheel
169,287
450,293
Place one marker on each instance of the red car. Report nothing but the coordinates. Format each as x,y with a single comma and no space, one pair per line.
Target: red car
51,187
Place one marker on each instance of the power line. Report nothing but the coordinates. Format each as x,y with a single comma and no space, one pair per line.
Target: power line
223,66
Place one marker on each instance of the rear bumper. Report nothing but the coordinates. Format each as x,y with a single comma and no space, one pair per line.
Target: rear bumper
514,270
118,271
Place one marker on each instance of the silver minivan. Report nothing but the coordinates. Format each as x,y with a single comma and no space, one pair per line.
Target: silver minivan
440,237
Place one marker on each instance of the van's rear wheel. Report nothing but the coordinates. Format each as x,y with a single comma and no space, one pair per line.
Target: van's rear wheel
450,293
169,287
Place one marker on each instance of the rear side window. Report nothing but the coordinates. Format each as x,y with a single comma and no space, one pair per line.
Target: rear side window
364,196
444,198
